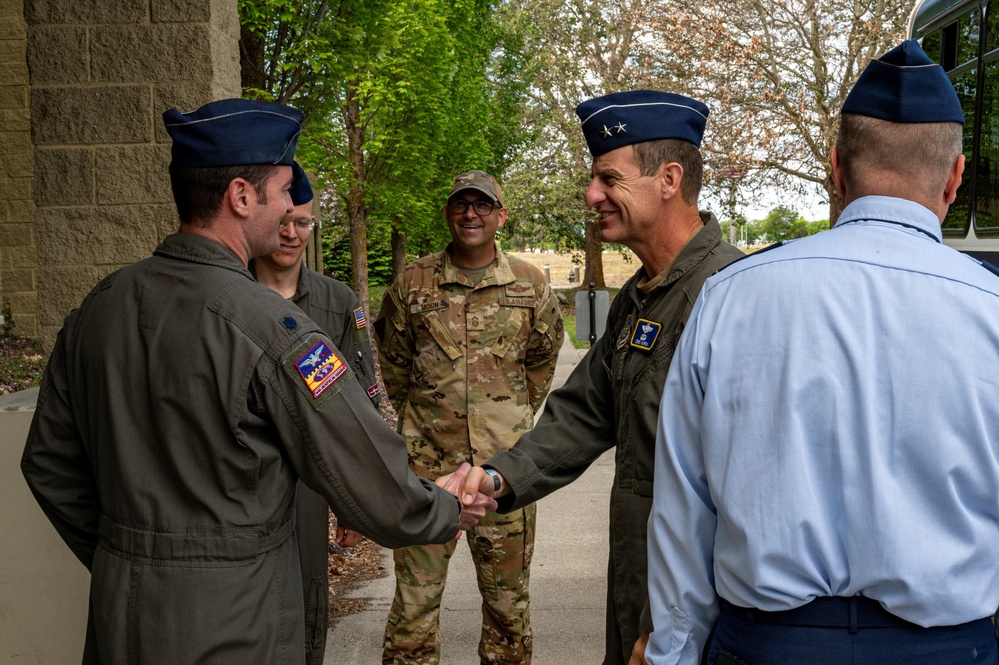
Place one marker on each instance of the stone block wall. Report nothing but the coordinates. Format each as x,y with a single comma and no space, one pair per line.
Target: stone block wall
102,72
18,260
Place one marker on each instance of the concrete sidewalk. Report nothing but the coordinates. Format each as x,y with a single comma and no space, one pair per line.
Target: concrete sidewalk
568,580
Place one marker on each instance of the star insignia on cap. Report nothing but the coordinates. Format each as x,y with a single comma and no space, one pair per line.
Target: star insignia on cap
620,128
607,132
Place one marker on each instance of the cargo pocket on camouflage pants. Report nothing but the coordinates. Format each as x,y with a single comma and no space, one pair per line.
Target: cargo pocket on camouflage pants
502,547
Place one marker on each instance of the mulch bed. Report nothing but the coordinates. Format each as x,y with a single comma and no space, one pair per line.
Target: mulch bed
351,568
21,363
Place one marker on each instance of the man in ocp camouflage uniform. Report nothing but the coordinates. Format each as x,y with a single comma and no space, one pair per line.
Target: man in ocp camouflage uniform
469,338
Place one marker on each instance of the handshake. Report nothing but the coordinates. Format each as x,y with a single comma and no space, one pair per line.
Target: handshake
477,491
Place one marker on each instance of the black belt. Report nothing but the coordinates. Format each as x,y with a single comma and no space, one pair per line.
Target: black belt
828,612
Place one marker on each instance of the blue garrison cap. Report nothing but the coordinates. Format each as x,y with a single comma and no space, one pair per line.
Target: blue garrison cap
234,132
301,190
636,116
904,85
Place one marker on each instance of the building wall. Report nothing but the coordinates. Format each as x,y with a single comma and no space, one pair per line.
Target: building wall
102,73
83,190
18,258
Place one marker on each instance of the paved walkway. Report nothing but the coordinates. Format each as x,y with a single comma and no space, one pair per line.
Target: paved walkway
568,581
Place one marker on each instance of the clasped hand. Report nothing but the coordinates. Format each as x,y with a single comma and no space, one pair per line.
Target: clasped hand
473,507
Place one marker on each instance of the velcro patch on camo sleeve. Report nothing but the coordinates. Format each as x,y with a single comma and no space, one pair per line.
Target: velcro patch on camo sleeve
318,369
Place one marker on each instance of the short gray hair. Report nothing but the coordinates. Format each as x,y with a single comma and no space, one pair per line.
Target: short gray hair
897,159
652,155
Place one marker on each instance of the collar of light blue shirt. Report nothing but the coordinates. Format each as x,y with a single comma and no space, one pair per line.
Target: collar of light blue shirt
892,211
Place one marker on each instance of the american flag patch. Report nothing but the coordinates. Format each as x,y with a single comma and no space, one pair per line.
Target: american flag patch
359,319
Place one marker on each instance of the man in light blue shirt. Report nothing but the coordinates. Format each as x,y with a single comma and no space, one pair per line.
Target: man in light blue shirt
827,459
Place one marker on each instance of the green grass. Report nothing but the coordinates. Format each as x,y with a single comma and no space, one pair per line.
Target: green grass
570,332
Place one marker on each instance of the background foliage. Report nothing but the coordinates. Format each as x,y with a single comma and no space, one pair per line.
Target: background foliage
402,95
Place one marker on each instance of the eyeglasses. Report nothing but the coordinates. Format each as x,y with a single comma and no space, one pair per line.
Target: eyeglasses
301,225
481,207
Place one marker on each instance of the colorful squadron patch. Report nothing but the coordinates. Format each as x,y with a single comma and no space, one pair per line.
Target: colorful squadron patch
622,338
320,367
359,320
646,333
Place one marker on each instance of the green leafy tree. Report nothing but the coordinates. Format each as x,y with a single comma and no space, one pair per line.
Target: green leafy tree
399,98
816,226
754,234
783,223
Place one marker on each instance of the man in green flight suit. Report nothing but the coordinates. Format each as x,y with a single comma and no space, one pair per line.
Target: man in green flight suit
182,402
469,337
334,307
647,172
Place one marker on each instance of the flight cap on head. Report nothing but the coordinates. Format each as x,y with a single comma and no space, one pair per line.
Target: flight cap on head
636,116
301,190
904,85
480,181
234,132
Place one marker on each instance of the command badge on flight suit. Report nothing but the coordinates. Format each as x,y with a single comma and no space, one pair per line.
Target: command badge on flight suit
645,335
320,367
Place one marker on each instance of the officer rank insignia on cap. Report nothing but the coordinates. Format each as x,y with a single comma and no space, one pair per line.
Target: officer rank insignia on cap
320,367
359,320
623,118
645,335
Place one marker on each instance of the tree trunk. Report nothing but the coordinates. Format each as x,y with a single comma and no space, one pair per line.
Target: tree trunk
398,252
594,258
731,205
835,202
251,60
357,215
